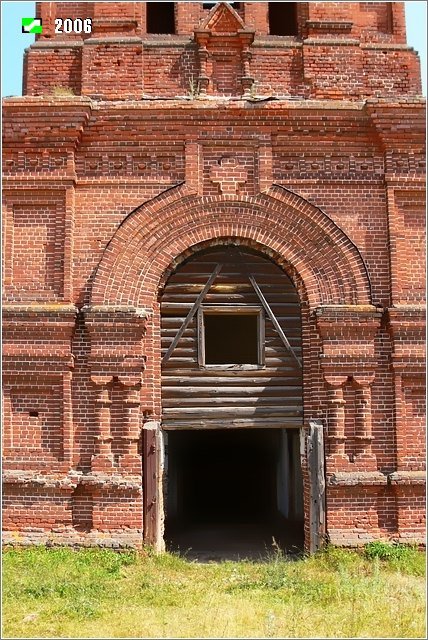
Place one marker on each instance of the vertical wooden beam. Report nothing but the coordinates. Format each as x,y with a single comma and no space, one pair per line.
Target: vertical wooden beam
160,507
150,482
315,453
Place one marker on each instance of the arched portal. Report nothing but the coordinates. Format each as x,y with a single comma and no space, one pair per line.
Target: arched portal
232,404
123,319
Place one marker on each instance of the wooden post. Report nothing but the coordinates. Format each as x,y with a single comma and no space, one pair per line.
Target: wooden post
315,453
150,482
160,510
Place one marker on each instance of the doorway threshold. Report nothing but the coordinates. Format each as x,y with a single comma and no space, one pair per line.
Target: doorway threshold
219,542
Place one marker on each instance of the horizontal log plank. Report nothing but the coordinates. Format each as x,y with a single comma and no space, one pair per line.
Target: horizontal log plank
232,412
273,402
232,390
193,362
183,351
168,332
273,423
227,376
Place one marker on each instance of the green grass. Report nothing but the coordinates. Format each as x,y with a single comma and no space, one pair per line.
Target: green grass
55,593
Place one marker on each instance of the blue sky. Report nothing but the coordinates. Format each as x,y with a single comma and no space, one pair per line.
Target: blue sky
14,42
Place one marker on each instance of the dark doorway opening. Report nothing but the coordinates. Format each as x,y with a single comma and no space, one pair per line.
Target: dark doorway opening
233,493
283,18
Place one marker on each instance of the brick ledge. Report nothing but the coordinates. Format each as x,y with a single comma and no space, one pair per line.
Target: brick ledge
132,539
356,478
353,538
375,478
72,480
38,307
407,477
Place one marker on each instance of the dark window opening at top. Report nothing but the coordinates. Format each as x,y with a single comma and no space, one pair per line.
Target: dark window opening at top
283,18
389,18
210,5
231,339
160,17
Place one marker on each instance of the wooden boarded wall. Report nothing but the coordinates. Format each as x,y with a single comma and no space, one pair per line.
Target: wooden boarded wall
234,395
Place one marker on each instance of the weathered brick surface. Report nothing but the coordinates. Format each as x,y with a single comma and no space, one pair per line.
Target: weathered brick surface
342,50
169,145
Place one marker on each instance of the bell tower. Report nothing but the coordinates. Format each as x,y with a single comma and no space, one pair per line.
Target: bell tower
152,137
143,50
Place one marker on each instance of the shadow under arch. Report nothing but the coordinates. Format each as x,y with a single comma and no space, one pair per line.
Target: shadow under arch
246,245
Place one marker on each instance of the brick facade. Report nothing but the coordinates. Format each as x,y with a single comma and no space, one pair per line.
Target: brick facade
131,151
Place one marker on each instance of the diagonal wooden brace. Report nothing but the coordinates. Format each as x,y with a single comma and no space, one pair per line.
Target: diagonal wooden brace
268,310
273,319
192,312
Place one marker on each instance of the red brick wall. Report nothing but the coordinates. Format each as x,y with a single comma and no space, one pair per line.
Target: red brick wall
105,193
34,508
112,69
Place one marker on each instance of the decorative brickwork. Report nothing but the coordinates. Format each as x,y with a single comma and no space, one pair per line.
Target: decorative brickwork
132,152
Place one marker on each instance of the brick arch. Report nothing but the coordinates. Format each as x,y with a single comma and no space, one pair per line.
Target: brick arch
154,235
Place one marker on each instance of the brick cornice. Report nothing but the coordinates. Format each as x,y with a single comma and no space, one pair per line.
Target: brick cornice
116,342
66,118
407,328
70,481
399,123
348,335
39,335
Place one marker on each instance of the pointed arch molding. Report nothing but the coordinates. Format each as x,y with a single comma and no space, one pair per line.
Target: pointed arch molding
300,234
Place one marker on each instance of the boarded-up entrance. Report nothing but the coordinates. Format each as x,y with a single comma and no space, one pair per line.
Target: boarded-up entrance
231,342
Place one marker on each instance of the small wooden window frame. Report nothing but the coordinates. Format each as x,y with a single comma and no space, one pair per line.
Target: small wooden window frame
235,310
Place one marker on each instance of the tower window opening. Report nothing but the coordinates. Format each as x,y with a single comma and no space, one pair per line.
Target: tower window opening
283,18
160,17
209,5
